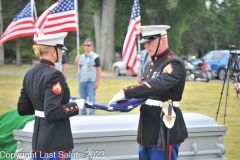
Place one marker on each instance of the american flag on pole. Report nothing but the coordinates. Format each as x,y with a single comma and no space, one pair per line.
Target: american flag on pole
129,54
22,25
60,17
41,21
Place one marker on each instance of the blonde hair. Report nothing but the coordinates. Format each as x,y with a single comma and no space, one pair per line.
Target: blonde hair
40,50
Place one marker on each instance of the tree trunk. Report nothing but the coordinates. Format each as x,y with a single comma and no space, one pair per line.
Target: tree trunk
215,41
97,27
107,34
18,54
1,33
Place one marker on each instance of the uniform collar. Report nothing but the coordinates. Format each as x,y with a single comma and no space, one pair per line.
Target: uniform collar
156,58
46,62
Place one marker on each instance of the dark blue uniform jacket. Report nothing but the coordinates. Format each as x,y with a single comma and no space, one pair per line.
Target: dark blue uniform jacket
44,89
163,79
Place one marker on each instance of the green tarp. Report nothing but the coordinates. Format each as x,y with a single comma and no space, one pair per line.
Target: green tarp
9,122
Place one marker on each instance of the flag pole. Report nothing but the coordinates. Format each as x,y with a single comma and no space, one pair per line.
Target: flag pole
77,23
35,15
34,9
139,47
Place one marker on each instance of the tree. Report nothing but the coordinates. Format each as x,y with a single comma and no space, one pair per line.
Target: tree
1,32
215,29
107,33
195,27
104,22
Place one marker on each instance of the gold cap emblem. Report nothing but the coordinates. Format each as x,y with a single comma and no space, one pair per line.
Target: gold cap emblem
141,29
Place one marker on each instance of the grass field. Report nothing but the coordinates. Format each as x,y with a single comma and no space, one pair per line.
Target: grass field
198,97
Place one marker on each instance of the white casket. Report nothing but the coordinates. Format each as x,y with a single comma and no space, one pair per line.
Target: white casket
113,137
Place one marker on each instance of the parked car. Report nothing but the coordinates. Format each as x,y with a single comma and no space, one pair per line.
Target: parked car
120,68
218,60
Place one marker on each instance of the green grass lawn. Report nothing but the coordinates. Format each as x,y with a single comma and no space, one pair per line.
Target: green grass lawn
198,97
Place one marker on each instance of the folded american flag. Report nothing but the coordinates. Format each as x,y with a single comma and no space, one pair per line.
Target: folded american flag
120,106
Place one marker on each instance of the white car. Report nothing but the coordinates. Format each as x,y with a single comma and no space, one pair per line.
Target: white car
119,68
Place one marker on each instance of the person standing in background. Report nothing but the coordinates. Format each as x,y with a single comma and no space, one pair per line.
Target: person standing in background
89,71
62,65
144,58
205,67
129,73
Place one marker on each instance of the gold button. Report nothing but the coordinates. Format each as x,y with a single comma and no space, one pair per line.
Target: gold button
151,63
150,70
155,58
71,107
147,76
67,109
76,106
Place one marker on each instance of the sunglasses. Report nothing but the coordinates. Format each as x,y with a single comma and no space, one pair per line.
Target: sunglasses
152,37
87,45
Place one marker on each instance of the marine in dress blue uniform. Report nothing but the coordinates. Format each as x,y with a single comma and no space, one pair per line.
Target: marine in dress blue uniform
163,79
46,94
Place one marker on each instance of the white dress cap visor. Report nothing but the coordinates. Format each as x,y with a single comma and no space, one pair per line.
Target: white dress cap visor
52,40
152,32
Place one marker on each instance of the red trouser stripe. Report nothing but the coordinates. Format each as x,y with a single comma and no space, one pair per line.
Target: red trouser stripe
170,152
63,158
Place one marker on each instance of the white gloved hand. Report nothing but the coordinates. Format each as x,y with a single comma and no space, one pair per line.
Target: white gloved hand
117,97
80,103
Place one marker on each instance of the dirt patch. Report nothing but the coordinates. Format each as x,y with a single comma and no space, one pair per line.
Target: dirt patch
107,73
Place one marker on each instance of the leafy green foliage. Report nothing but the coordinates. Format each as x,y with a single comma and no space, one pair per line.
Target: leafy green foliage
216,28
196,26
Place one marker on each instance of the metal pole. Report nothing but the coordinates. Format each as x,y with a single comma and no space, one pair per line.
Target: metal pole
77,23
34,9
228,77
225,80
139,46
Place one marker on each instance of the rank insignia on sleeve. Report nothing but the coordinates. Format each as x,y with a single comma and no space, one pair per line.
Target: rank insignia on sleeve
168,69
57,88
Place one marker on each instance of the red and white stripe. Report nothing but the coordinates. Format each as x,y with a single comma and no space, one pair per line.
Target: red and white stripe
42,20
19,28
55,23
129,54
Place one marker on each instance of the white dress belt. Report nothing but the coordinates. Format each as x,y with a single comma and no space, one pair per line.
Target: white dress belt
39,113
157,103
